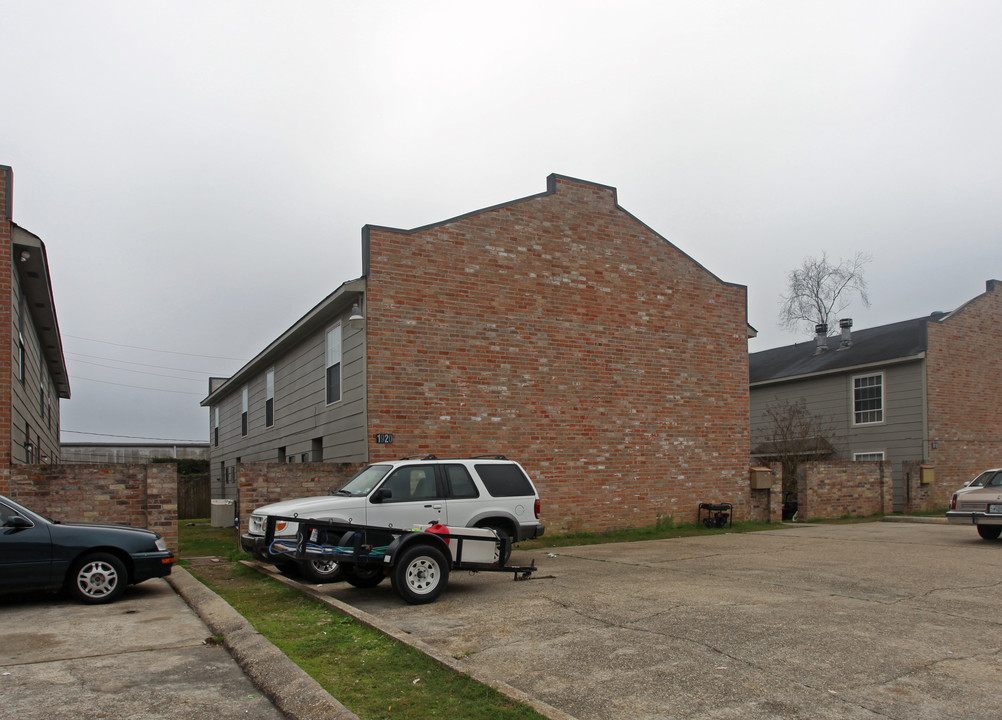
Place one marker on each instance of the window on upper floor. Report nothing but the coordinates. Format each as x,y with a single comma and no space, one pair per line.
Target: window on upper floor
269,398
334,364
20,357
215,426
243,412
868,399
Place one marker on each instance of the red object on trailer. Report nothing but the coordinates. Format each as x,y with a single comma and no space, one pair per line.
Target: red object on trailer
439,529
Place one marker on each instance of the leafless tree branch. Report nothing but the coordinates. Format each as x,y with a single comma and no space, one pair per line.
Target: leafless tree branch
819,290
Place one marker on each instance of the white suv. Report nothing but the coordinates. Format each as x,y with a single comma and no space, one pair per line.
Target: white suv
488,492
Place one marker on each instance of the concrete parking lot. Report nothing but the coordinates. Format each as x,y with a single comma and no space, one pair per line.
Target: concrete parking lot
143,657
875,620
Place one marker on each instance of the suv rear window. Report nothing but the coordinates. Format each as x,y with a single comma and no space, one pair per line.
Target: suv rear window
505,480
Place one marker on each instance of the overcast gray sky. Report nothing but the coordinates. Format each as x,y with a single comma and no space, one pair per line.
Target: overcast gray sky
200,171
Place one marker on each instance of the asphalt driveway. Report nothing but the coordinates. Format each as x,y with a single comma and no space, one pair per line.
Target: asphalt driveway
875,620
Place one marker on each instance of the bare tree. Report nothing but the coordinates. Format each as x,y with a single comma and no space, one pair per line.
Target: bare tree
795,435
819,290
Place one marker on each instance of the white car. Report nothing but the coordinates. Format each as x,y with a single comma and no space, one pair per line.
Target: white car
980,505
485,492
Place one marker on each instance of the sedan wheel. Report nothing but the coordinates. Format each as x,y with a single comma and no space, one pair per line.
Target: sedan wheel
98,578
990,532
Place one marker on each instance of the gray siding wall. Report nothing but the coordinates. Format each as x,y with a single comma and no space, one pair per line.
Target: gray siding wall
302,417
27,412
900,436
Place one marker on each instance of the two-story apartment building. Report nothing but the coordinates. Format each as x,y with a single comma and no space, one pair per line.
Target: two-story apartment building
34,377
556,329
921,391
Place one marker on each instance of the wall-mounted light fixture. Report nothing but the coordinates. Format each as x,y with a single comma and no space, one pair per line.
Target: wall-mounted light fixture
356,320
25,256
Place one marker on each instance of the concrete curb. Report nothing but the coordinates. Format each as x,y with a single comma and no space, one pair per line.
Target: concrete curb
930,519
287,685
390,630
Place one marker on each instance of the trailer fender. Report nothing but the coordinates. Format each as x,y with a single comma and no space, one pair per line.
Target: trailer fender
418,538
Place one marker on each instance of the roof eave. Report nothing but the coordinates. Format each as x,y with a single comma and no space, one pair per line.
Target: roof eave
838,371
316,318
32,266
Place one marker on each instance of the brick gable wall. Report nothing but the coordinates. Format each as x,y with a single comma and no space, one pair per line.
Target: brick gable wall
6,323
964,379
562,332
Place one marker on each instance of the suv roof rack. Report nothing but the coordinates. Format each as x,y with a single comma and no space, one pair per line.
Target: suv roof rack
493,456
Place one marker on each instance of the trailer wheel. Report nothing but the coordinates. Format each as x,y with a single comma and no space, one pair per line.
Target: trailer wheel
362,576
420,574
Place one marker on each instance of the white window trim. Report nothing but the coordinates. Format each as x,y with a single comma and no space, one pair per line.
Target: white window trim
883,399
269,394
244,412
857,456
333,331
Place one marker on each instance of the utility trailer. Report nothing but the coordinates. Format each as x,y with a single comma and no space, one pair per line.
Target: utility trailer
417,560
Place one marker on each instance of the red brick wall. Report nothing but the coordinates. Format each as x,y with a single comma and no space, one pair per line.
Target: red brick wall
6,325
138,495
564,333
964,378
265,483
839,489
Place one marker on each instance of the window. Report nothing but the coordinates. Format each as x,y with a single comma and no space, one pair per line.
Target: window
505,480
243,413
411,483
868,399
867,456
20,357
461,482
215,427
269,401
334,364
41,400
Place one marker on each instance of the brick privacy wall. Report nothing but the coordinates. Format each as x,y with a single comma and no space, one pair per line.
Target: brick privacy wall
142,496
828,490
767,505
6,322
964,380
264,483
919,497
564,333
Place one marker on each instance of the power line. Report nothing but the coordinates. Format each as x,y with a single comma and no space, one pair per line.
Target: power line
140,387
172,352
130,362
141,372
131,437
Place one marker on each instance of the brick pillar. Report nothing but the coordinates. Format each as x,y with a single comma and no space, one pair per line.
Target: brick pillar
6,279
161,501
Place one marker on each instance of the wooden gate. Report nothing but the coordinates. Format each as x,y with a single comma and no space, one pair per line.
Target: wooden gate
193,497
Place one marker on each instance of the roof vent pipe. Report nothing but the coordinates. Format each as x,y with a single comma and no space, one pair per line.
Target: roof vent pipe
821,331
846,325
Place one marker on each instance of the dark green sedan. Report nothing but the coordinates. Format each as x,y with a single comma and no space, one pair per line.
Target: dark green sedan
93,563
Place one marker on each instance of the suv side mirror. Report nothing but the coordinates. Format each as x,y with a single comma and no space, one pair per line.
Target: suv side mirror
17,522
382,494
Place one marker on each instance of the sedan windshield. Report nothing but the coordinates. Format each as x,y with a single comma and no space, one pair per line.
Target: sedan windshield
364,481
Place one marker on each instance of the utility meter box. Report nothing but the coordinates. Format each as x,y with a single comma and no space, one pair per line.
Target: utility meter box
761,478
927,474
